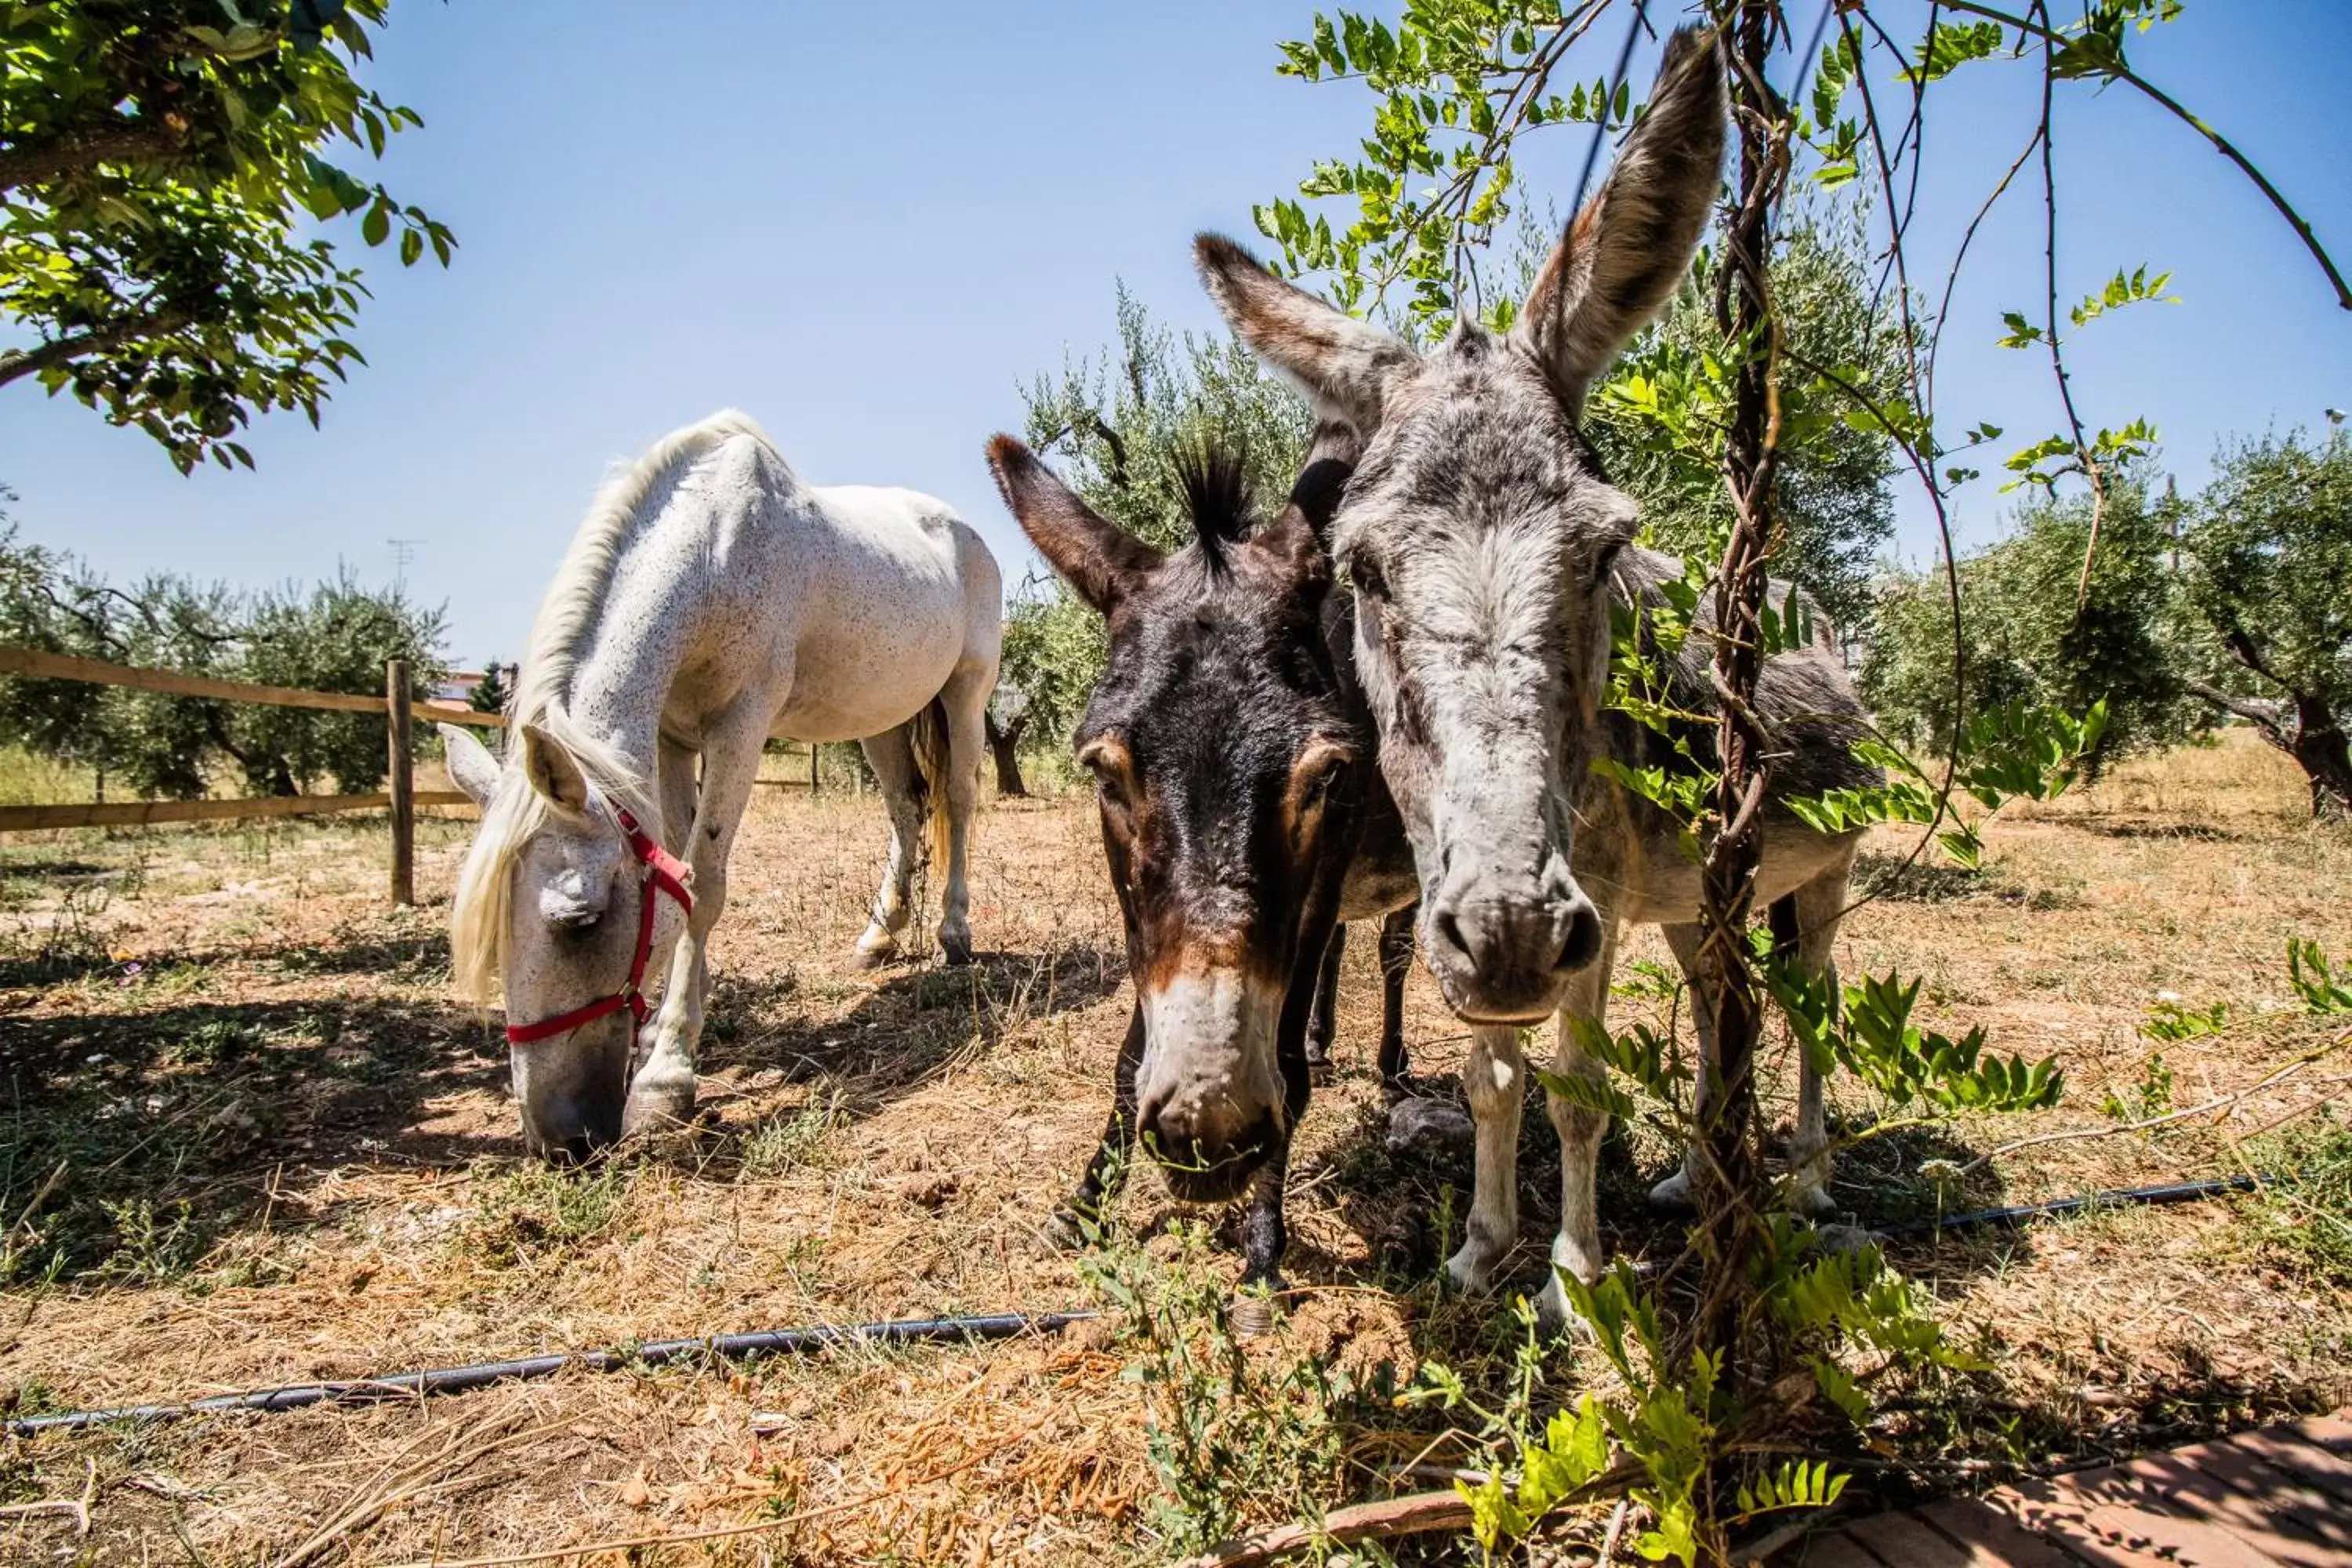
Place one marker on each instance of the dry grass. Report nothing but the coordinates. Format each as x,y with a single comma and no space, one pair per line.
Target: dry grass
286,1157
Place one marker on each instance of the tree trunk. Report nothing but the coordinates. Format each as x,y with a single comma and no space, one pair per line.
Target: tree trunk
1731,1177
2305,729
1006,745
2320,747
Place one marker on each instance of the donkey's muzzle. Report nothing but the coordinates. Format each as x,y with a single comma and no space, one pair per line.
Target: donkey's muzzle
1198,1172
1504,959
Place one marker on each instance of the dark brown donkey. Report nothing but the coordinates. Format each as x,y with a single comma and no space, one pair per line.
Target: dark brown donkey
1242,817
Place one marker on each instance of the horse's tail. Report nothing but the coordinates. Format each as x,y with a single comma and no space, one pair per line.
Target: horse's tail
935,761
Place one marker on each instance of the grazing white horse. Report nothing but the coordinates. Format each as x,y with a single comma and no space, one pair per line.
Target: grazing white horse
711,600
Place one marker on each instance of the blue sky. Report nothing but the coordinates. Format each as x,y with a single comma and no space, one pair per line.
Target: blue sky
870,225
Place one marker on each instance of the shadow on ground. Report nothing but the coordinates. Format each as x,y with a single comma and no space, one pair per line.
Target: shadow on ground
132,1141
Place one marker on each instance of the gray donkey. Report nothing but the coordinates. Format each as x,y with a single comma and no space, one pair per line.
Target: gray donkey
1486,550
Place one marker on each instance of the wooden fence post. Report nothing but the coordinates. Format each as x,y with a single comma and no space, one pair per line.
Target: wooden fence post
812,745
404,782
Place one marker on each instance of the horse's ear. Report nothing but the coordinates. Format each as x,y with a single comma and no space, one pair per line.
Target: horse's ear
1343,365
1096,557
471,768
1624,255
553,772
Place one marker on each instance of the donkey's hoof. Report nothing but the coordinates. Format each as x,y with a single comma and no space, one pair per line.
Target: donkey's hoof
1429,1127
1064,1231
1674,1194
1815,1201
1846,1238
1319,1065
875,949
1251,1313
1471,1271
1555,1316
955,952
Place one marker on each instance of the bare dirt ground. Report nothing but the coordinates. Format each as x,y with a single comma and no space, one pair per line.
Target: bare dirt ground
246,1141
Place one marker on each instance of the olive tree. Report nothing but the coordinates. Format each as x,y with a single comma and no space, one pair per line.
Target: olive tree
1119,421
2033,630
2268,577
335,636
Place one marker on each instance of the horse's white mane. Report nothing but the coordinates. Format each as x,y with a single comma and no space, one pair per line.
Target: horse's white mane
542,698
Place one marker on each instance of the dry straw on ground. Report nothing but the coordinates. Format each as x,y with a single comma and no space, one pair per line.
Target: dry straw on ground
233,1022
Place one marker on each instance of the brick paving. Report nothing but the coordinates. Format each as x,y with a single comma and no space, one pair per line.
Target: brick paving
2279,1498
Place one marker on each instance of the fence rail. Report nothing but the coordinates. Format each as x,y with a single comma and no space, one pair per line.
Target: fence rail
146,813
172,683
402,799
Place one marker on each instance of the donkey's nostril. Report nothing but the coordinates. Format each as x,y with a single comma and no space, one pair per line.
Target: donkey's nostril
1449,931
1583,944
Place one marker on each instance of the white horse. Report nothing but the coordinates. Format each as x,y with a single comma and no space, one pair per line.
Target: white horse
711,600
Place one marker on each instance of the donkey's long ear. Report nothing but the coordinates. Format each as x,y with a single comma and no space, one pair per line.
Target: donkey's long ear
1625,253
1343,364
1094,555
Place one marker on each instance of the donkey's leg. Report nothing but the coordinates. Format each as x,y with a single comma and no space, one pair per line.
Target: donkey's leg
892,757
1577,1249
1321,1021
1262,1238
1818,905
1674,1194
1106,1172
1396,959
662,1092
1495,1077
965,697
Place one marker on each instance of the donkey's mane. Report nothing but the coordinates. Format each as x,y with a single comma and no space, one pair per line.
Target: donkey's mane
1217,498
543,699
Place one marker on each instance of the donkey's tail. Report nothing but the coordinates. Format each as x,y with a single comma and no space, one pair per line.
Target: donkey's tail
935,761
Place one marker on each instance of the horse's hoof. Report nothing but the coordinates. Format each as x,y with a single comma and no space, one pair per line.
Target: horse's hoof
1815,1201
875,956
1318,1071
659,1109
1672,1195
954,952
1250,1314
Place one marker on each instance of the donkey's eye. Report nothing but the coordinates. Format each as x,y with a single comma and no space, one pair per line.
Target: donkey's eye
1367,578
1604,563
1114,770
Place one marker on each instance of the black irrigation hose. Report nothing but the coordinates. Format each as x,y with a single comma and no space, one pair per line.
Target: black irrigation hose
663,1353
919,1330
2169,1192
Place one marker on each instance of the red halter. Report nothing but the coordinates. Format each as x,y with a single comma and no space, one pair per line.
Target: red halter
665,873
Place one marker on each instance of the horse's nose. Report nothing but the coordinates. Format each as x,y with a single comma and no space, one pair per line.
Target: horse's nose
1503,955
571,1134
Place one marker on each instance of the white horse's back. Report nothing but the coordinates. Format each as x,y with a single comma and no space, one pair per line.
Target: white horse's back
903,593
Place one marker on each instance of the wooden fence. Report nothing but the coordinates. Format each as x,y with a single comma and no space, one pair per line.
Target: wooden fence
399,714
